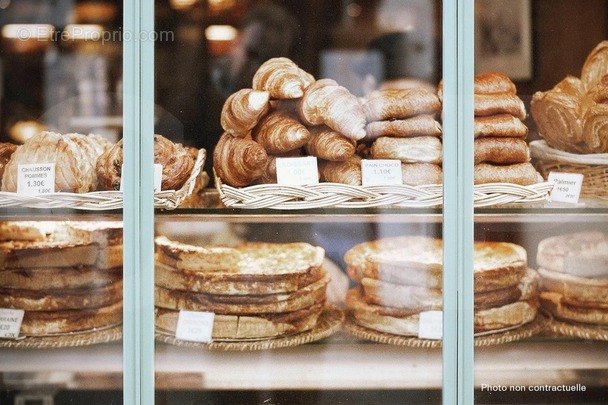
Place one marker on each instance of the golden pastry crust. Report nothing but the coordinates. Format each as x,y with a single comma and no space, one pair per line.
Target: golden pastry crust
328,144
326,102
176,161
420,125
242,110
501,150
345,172
499,103
282,78
279,132
421,149
493,82
523,174
400,103
238,161
501,125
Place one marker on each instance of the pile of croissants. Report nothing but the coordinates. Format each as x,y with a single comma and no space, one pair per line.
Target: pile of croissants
573,115
287,113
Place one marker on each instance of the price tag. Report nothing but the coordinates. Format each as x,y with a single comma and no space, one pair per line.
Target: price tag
195,326
566,187
430,325
10,322
381,172
36,178
158,177
297,171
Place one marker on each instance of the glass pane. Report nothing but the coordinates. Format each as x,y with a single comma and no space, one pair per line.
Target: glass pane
312,291
61,284
540,323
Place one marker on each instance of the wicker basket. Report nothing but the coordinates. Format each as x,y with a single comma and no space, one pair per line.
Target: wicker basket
103,200
337,195
594,167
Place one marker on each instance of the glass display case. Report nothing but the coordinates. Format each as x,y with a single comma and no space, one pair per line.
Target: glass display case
357,201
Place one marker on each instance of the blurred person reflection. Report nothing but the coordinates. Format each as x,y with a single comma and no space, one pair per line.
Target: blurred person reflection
267,31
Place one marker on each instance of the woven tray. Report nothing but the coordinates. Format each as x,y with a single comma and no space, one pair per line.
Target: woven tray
593,166
102,200
85,338
511,335
578,330
338,195
328,323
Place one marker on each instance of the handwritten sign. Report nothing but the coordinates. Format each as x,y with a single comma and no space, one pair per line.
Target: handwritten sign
566,186
195,326
381,172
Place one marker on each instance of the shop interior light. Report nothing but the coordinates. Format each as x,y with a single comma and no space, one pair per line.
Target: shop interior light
86,32
24,32
220,33
182,4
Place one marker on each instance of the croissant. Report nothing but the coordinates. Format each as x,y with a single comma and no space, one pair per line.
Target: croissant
328,144
242,111
282,78
499,103
326,102
595,66
279,132
501,125
238,161
346,172
423,124
6,151
493,82
400,103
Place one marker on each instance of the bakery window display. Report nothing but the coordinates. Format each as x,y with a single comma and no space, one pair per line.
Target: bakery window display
398,280
260,295
66,277
573,270
52,170
572,119
287,113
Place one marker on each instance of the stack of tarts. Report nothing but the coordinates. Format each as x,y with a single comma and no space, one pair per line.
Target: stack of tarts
399,278
274,293
66,277
574,282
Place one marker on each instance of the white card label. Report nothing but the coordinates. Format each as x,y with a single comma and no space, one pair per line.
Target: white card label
297,171
10,322
158,177
381,172
195,326
36,178
430,325
566,186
